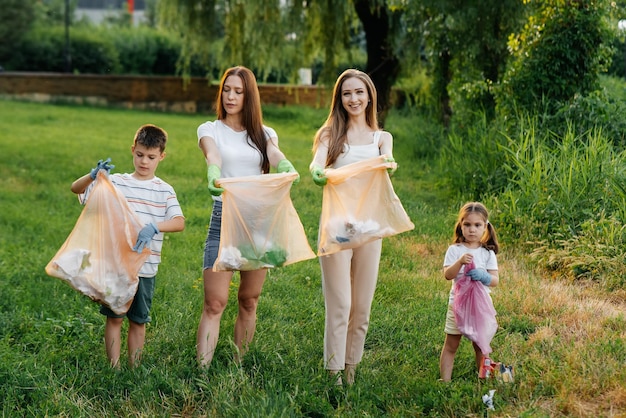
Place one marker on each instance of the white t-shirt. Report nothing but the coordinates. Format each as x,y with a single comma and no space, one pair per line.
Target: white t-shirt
153,201
239,158
483,259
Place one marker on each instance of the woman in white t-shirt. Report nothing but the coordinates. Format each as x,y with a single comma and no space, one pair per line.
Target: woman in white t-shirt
350,134
236,144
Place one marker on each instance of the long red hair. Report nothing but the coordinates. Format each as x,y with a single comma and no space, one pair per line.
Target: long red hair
251,113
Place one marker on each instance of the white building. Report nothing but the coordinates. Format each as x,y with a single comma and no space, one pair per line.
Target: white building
97,10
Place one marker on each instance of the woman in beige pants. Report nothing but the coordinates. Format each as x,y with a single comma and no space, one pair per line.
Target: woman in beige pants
350,134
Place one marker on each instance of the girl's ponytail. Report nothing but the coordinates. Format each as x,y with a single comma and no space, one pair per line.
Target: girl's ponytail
491,243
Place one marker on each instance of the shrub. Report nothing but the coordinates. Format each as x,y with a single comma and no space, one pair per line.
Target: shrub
596,253
144,50
560,53
595,110
16,18
99,50
472,158
556,189
43,49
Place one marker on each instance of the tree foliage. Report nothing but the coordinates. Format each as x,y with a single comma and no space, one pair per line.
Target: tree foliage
16,17
279,37
559,54
464,43
265,35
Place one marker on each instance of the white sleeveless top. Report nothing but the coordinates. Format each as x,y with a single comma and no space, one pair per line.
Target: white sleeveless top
355,153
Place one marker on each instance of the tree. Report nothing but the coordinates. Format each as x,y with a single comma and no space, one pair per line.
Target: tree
383,64
465,44
465,41
273,36
16,17
559,54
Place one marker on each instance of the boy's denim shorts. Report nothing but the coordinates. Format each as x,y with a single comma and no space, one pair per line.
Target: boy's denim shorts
212,244
139,311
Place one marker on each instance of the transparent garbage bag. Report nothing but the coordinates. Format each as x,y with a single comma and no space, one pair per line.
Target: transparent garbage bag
474,312
359,205
260,226
97,258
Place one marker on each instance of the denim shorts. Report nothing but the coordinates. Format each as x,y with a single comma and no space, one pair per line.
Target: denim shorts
139,311
212,244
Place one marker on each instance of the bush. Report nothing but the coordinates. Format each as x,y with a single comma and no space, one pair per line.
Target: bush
16,17
472,159
43,49
596,110
144,50
618,61
557,186
596,253
99,50
560,53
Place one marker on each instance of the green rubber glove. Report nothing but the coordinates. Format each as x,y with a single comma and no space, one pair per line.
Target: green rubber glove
319,177
285,166
391,170
214,173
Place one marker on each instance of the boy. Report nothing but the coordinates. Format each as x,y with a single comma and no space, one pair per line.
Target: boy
156,204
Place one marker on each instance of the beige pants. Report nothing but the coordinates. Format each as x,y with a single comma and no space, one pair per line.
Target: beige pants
348,282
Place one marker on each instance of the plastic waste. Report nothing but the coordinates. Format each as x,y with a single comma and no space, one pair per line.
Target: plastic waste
97,258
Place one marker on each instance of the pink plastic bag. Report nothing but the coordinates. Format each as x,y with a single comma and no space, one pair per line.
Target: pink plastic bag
260,226
359,205
97,258
474,312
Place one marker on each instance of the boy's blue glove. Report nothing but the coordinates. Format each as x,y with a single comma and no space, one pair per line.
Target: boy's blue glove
285,166
145,236
319,177
391,170
102,165
214,173
480,275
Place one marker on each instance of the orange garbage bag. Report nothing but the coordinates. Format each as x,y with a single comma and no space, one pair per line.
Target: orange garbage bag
260,226
97,258
359,205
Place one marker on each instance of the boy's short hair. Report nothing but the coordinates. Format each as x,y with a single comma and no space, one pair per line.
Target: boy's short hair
151,136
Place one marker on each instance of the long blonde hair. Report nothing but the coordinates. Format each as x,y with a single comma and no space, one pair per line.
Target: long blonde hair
490,239
251,113
335,127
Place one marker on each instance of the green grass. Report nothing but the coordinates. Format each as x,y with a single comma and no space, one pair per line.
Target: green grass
567,343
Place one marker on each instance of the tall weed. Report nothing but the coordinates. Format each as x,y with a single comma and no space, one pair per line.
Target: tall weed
597,253
471,160
561,184
566,196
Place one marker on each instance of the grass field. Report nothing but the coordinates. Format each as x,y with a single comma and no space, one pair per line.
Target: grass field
567,342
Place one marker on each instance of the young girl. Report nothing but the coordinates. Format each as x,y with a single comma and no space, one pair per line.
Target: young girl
475,241
237,144
350,134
